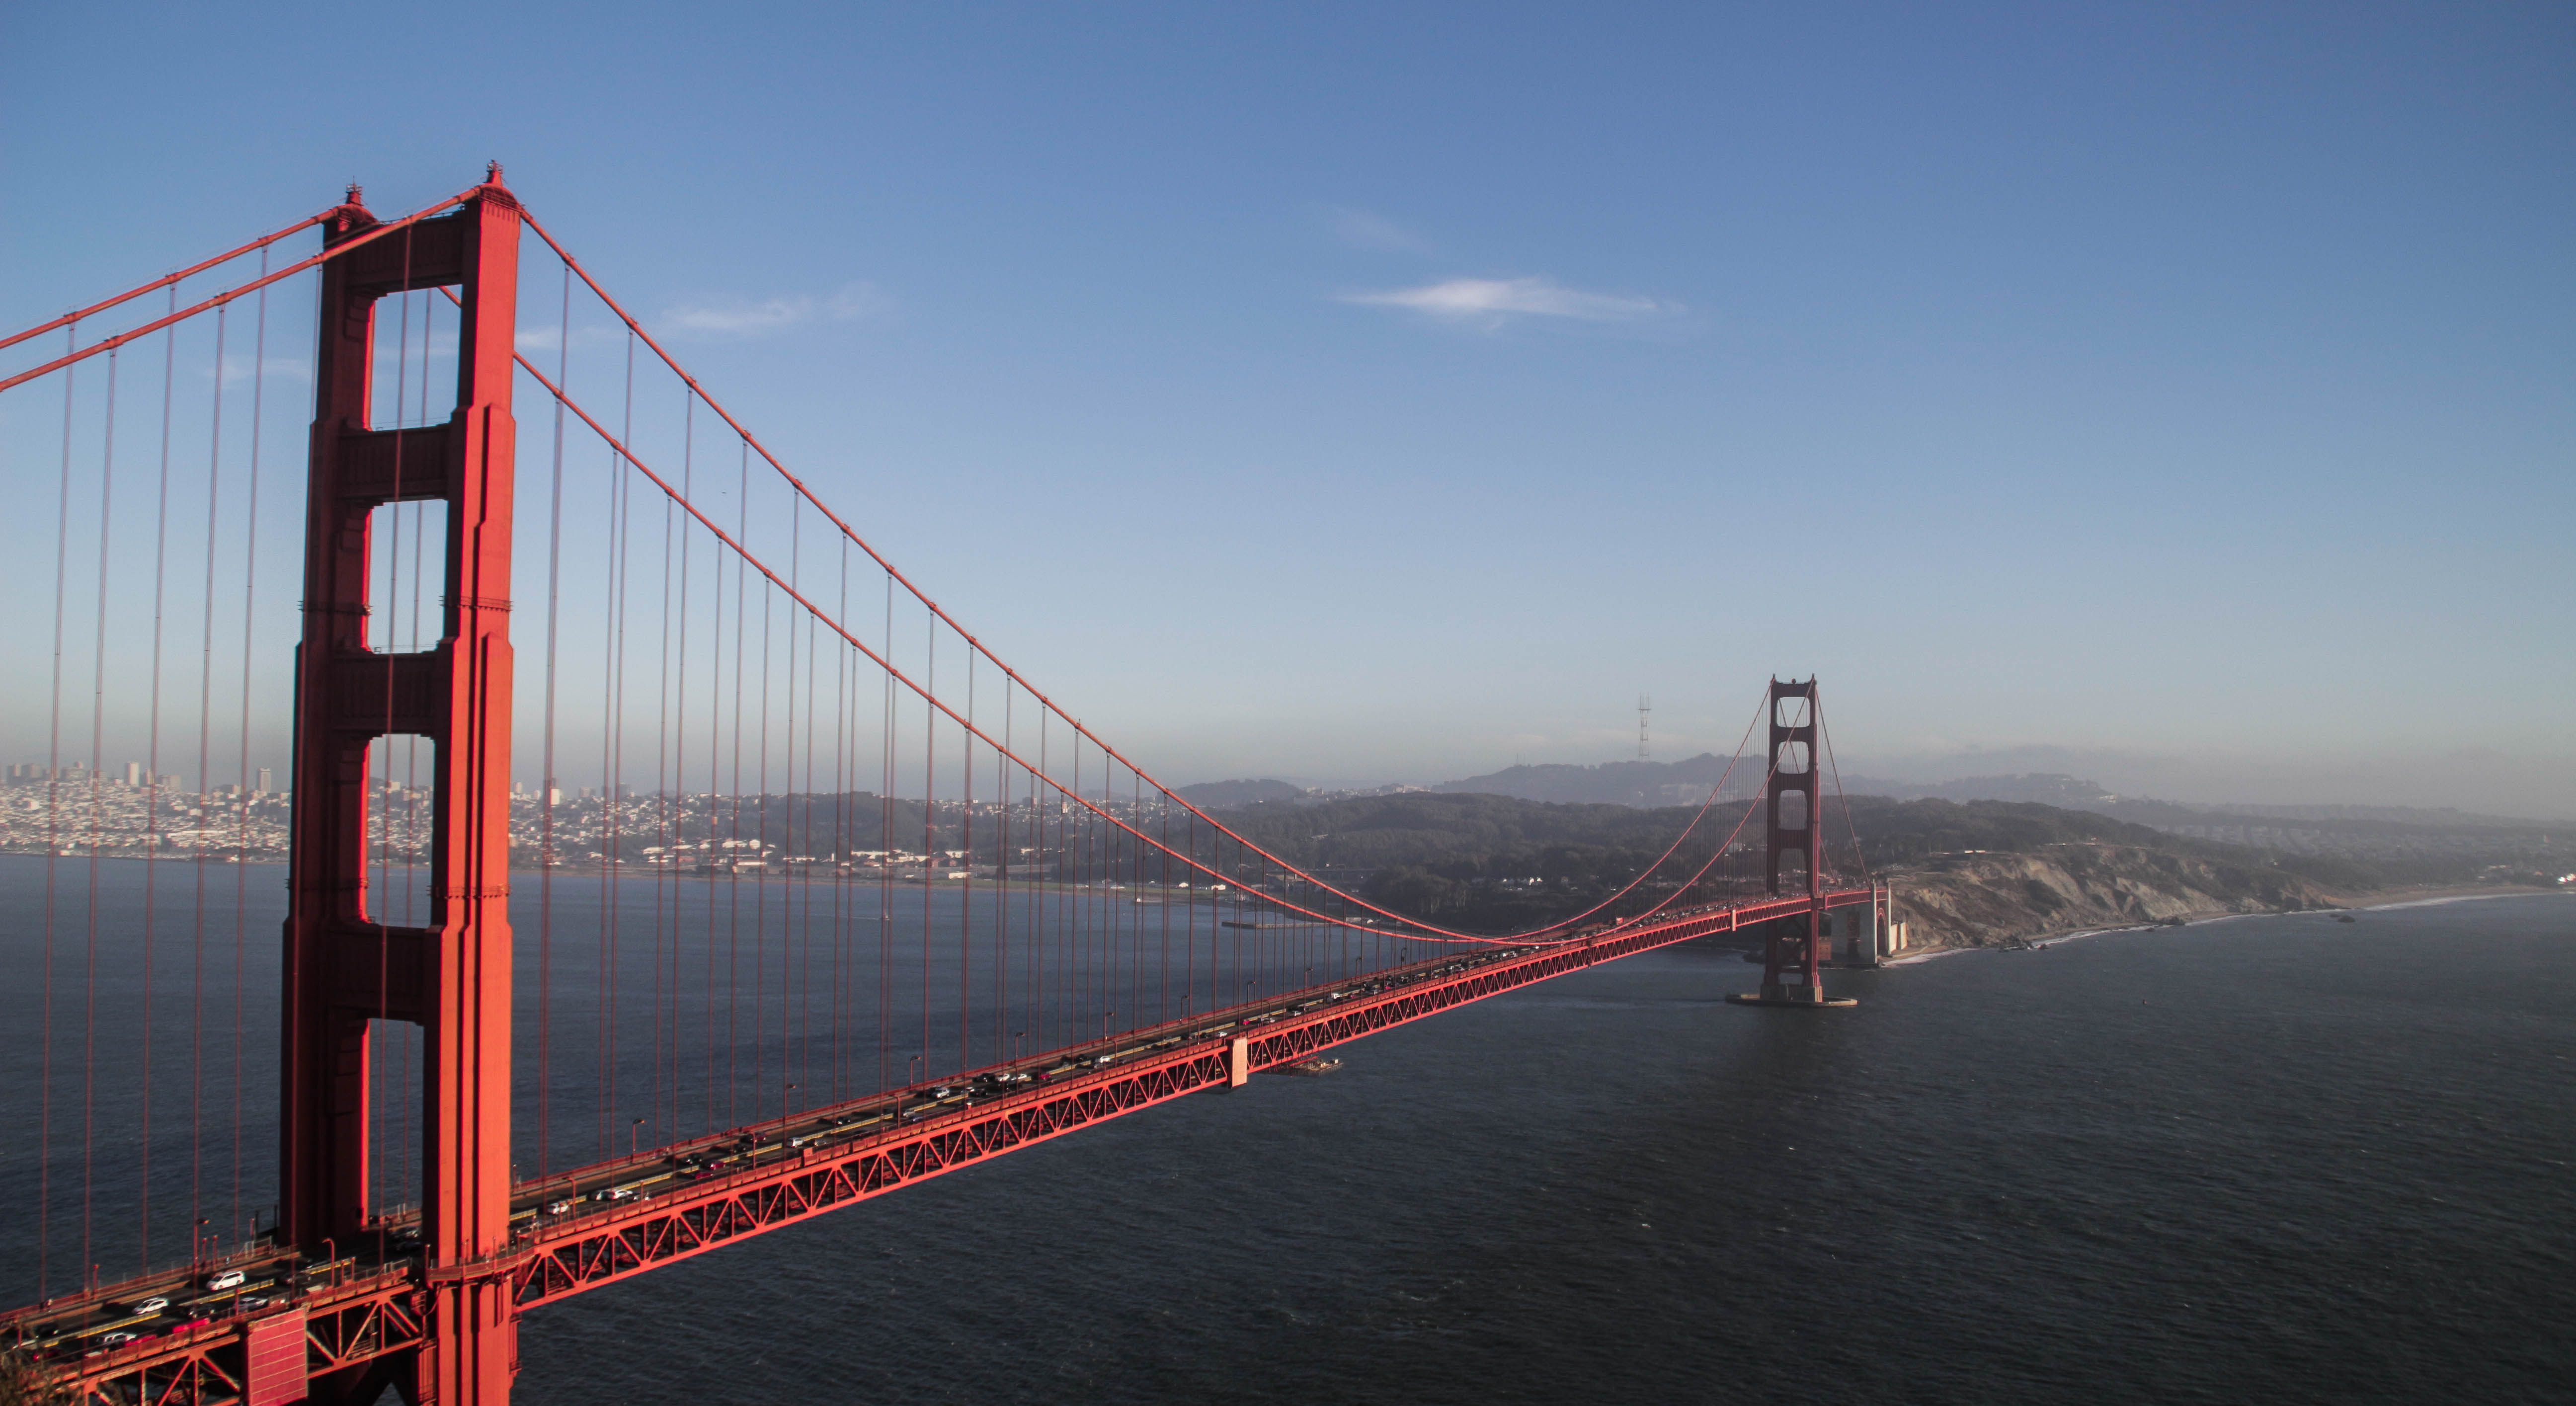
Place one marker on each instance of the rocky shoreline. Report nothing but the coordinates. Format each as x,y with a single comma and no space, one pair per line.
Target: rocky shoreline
1977,899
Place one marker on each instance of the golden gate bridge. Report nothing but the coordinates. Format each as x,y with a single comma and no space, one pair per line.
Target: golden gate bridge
851,902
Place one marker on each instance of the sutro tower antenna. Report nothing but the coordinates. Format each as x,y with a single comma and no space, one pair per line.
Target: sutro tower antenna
1644,706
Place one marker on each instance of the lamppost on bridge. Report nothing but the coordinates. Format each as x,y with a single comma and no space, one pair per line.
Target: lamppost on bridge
634,1131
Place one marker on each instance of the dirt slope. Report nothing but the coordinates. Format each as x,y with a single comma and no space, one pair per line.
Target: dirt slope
1984,900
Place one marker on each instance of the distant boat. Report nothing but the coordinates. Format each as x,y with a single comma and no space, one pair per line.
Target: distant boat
1311,1067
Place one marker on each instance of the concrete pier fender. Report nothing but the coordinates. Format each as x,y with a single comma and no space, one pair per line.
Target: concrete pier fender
1799,997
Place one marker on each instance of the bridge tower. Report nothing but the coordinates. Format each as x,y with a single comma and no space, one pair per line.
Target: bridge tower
1794,828
345,966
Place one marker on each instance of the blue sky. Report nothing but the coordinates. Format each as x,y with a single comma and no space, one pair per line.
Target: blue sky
2175,393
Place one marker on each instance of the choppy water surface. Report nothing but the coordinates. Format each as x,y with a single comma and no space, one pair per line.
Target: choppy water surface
2270,1159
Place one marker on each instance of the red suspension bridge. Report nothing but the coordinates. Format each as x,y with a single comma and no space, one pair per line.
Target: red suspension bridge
806,896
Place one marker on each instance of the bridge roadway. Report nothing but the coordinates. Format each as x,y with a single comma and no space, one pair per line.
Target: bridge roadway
172,1336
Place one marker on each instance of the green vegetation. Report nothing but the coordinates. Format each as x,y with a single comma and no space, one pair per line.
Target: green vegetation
1488,863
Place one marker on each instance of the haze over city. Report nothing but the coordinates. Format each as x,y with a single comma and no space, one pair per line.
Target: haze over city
1361,395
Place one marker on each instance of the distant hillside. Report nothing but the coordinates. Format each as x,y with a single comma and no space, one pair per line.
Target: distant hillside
1612,783
1226,795
2430,846
1651,783
2044,787
1983,871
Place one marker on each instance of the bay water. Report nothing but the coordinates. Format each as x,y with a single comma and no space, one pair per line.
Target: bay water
2268,1159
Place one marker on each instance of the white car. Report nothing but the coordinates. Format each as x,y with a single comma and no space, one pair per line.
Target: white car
229,1279
154,1304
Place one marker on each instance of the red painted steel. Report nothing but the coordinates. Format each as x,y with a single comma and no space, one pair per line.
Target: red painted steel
362,1326
343,965
273,1372
443,1327
345,1322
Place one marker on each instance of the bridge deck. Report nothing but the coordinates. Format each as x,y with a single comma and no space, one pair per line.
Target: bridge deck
593,1226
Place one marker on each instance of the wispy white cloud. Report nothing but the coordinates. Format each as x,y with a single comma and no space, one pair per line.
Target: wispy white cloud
1492,300
537,339
850,302
741,319
1369,231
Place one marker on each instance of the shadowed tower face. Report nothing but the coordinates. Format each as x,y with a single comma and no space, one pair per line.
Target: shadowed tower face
1794,842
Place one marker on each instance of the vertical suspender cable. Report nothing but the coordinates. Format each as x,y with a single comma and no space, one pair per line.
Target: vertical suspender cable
965,905
885,855
152,769
680,738
1002,883
1190,920
760,880
805,881
546,764
1164,853
663,873
1044,976
759,848
53,844
733,879
795,940
98,815
787,897
242,772
842,696
205,799
929,814
612,767
715,792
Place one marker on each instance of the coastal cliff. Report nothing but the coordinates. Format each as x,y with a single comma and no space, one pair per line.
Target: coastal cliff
1980,899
